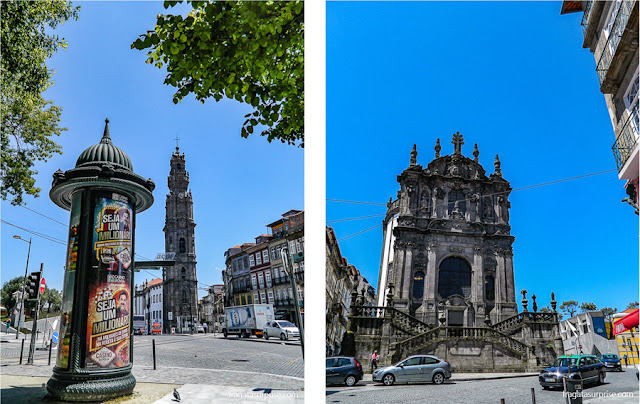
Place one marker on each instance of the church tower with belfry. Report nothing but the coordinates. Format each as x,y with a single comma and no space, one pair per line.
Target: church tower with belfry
447,254
180,282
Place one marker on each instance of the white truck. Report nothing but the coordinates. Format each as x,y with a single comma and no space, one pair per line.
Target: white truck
247,320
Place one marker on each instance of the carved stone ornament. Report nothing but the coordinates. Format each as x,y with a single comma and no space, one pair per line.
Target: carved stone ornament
456,249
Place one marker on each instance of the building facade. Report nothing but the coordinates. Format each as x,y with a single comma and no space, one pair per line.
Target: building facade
149,303
447,241
342,280
180,307
586,333
255,273
211,307
446,280
610,31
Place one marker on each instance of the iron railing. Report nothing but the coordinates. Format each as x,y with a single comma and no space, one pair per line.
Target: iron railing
608,46
627,139
588,8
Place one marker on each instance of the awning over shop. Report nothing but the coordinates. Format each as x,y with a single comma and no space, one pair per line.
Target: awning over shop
626,323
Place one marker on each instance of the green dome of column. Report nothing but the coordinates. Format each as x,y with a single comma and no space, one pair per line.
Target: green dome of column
104,153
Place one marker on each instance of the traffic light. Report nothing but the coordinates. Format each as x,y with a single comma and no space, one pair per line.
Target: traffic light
33,285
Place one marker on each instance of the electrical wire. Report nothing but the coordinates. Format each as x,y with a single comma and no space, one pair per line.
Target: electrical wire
43,215
459,200
35,233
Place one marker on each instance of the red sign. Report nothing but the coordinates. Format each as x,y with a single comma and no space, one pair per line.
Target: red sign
42,286
626,323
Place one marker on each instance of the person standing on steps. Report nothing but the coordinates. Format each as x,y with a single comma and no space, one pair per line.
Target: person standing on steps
374,360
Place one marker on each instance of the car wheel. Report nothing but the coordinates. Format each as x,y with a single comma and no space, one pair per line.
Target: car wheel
266,336
601,376
283,337
438,378
388,380
225,332
350,380
545,387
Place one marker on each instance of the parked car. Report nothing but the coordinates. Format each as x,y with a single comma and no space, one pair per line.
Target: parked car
418,368
280,328
611,361
343,369
199,328
588,366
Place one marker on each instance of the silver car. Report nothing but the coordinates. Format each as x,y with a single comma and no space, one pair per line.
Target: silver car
418,368
281,329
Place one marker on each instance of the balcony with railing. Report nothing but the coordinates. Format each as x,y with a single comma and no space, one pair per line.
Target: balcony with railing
627,139
280,280
586,17
608,46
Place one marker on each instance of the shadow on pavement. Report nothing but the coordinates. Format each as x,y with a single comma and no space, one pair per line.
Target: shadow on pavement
30,394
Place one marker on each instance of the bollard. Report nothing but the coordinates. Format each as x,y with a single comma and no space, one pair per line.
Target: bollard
502,401
153,343
50,347
533,396
21,351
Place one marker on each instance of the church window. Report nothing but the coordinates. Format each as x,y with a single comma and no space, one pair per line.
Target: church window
183,245
184,296
179,166
489,287
184,273
454,278
457,195
418,284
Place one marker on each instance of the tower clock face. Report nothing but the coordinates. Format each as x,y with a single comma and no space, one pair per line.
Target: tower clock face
180,195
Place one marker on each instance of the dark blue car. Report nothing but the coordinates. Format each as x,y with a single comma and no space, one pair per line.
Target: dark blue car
343,369
588,366
611,361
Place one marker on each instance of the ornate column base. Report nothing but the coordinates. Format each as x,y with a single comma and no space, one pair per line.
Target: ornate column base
82,387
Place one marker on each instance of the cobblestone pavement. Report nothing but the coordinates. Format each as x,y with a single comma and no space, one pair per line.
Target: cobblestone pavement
192,359
513,390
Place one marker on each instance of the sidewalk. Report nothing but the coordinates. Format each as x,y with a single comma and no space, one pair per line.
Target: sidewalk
26,384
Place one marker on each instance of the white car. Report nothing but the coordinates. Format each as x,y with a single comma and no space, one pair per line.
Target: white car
280,328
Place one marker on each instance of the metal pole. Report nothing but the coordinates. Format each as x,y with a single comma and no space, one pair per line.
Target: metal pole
24,286
21,351
153,344
50,348
533,396
34,329
285,256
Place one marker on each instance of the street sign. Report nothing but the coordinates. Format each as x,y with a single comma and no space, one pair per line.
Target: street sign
54,337
170,315
42,286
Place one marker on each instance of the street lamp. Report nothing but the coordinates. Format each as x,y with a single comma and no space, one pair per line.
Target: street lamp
24,286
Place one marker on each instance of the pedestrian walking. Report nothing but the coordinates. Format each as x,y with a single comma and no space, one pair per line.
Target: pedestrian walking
8,325
204,325
374,360
625,360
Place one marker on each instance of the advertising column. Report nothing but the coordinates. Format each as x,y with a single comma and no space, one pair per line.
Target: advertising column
109,305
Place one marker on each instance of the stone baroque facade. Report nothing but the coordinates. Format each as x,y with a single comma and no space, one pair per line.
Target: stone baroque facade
180,308
446,276
451,252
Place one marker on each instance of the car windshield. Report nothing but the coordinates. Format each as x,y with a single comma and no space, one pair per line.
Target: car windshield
285,324
610,356
563,362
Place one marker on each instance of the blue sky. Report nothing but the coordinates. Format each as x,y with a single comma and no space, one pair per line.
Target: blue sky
513,78
239,185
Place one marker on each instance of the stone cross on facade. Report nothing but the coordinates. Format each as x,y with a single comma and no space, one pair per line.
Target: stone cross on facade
177,139
457,143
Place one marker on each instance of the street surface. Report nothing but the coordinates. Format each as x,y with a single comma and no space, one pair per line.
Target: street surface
202,359
513,390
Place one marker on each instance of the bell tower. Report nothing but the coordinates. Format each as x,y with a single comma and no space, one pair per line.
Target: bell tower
180,281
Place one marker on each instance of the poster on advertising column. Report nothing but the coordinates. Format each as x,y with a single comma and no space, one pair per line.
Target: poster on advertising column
109,284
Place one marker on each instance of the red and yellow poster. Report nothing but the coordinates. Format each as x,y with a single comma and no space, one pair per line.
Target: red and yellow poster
109,316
